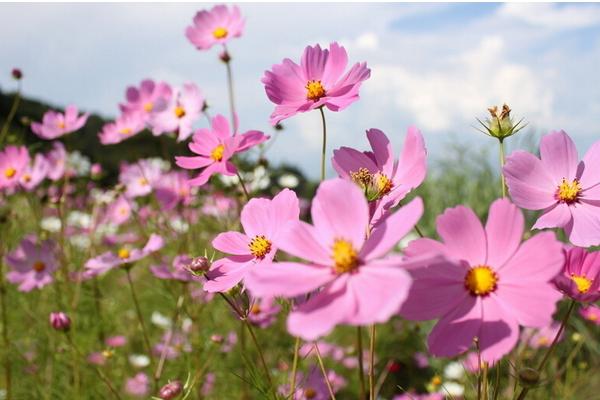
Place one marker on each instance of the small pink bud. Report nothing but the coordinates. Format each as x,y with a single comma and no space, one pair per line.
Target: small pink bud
171,390
225,57
96,170
199,264
60,321
17,74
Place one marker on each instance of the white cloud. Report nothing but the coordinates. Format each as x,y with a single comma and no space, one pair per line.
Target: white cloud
551,16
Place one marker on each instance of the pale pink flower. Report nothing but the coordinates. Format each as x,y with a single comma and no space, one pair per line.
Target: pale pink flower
359,285
57,160
383,180
116,341
172,344
415,396
34,173
32,264
566,189
150,97
541,337
139,177
580,277
219,206
56,124
173,189
119,211
138,386
214,148
124,127
178,270
319,81
490,284
14,161
181,113
216,26
263,312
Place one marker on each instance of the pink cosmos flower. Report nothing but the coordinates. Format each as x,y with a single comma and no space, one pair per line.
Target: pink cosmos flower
178,270
263,312
119,211
138,386
56,124
173,189
139,177
57,159
360,286
318,81
384,181
14,161
34,173
215,146
32,264
542,337
490,284
124,127
125,255
116,341
216,26
567,190
263,221
150,97
580,277
591,313
181,113
313,386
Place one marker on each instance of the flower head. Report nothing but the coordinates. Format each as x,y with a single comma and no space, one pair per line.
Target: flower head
124,127
139,178
566,189
56,124
138,386
215,26
57,160
359,285
214,147
263,312
35,173
541,337
500,125
14,161
489,285
150,97
591,313
180,114
32,264
580,277
319,81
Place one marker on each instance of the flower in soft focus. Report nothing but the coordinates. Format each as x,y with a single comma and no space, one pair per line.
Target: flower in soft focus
57,160
215,146
172,189
161,320
209,384
591,313
171,390
383,180
263,312
318,81
124,127
567,190
139,360
580,277
125,255
360,286
17,74
55,124
219,206
421,359
178,271
14,161
500,125
116,341
227,343
489,285
454,371
60,321
140,177
118,211
180,114
215,26
172,344
96,170
313,386
542,337
34,173
414,396
138,386
150,97
263,221
32,264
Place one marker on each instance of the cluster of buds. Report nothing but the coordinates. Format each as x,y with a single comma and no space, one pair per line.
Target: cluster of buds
374,186
500,125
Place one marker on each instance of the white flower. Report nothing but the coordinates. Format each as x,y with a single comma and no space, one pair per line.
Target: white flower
453,389
160,320
139,360
103,196
50,224
229,180
179,225
79,163
80,241
79,219
454,371
288,181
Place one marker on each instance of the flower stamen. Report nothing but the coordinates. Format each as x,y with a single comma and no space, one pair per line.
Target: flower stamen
39,266
568,192
220,33
179,112
124,253
481,280
10,172
583,283
260,246
217,153
345,258
314,90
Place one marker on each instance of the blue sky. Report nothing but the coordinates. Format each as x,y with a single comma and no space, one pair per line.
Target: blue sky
436,66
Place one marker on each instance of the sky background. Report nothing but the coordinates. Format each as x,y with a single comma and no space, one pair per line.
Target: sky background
436,66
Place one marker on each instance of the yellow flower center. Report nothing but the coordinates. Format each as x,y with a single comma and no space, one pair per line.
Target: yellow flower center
179,112
362,177
383,183
543,341
259,246
583,283
217,153
220,33
344,256
255,309
568,192
314,90
148,106
39,266
61,125
26,178
436,380
10,172
143,181
310,393
123,253
481,280
125,131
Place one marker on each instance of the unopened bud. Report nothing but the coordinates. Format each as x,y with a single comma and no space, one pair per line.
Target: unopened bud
500,125
278,126
225,57
17,74
171,390
529,377
60,321
199,264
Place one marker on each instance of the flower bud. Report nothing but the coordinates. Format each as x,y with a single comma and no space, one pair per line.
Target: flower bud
60,321
500,125
199,265
171,390
225,57
529,377
17,74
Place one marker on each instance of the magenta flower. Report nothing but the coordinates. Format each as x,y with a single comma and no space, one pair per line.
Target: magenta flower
567,190
35,173
32,264
542,337
490,284
150,97
60,321
216,26
124,127
591,313
14,161
215,146
360,287
56,124
140,177
263,221
57,159
384,181
181,113
318,81
125,255
580,277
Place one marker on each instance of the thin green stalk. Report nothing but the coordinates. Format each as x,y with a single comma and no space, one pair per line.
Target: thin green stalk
324,148
11,115
361,368
163,355
324,372
5,336
261,356
243,186
372,364
502,179
231,92
563,325
140,317
294,368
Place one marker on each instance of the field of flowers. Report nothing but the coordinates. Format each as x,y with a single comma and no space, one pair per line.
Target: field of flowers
210,274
